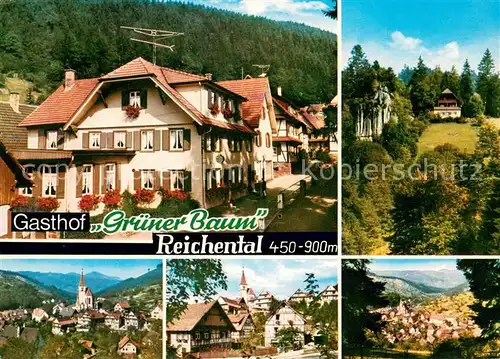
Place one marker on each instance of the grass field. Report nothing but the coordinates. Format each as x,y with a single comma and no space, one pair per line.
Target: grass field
462,135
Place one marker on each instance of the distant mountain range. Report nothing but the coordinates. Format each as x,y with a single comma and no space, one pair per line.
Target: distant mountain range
30,289
69,281
422,284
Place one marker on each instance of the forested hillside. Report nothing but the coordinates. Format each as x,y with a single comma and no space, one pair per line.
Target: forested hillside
39,39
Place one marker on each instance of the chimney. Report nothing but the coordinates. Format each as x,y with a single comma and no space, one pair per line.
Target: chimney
69,79
209,76
278,90
14,98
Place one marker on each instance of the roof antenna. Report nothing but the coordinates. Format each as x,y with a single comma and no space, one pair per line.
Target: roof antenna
263,68
156,35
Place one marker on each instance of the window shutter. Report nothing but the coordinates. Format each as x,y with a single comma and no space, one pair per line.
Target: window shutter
103,178
109,140
61,177
144,98
166,179
118,182
85,140
210,102
103,140
137,180
128,140
156,140
79,181
42,141
60,140
187,139
125,98
187,181
165,140
37,184
96,174
137,140
157,183
227,177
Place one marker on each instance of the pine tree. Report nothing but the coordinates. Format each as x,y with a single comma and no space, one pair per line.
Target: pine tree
466,84
485,84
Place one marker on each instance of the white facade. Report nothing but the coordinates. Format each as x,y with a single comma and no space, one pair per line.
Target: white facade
285,317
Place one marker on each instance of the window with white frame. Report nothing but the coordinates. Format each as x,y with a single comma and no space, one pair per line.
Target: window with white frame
177,180
51,139
87,179
147,179
49,181
110,176
197,336
176,139
216,143
208,143
94,140
207,335
28,172
134,98
120,139
147,140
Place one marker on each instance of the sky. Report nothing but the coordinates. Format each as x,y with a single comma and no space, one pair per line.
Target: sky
121,268
308,12
444,32
281,277
413,264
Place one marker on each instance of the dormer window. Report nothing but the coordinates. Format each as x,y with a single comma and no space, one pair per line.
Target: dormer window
52,140
135,98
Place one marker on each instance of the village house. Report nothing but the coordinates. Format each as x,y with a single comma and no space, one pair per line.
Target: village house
122,307
243,325
114,321
290,138
300,296
284,317
131,321
127,346
263,302
230,306
12,139
329,294
39,315
60,327
447,105
144,126
157,312
200,327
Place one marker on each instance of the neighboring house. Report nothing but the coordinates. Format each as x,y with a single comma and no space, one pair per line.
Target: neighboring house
290,138
85,299
59,327
263,302
447,105
230,306
243,325
131,321
258,114
200,327
39,315
157,312
284,317
301,295
122,307
114,321
88,131
29,334
67,312
329,294
127,346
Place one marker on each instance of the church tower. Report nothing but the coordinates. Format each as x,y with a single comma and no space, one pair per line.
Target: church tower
243,287
85,298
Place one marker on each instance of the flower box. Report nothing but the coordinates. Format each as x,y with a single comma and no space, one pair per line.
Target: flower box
133,111
89,202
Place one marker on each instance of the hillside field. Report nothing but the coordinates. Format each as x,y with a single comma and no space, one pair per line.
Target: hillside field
462,135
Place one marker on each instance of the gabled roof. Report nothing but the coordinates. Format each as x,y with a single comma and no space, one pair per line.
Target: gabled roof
238,320
61,105
123,304
230,301
13,136
192,316
64,105
447,91
256,91
283,305
283,105
316,121
126,340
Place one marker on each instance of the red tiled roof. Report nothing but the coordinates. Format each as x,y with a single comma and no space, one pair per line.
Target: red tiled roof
88,292
255,90
126,340
284,107
124,304
231,301
67,322
238,320
191,316
285,139
314,120
59,107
